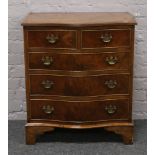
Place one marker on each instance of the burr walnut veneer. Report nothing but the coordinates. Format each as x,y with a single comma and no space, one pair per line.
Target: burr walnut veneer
79,72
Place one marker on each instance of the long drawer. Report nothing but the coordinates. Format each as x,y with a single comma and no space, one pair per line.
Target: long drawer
89,85
79,61
79,110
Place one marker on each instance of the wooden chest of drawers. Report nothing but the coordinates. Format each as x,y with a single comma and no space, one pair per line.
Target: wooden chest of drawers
79,70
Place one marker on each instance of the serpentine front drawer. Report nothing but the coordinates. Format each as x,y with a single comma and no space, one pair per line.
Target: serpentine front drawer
80,111
66,85
88,61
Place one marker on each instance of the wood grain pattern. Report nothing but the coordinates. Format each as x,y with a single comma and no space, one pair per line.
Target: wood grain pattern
79,19
79,86
66,39
79,61
80,111
79,72
92,38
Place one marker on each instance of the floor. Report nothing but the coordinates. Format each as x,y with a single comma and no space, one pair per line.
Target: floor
75,142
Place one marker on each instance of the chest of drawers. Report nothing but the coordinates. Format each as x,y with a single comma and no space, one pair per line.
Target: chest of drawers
79,71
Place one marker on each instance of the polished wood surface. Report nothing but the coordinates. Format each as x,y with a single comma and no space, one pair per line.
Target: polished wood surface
33,131
66,39
125,129
92,38
79,72
79,61
79,86
79,18
80,111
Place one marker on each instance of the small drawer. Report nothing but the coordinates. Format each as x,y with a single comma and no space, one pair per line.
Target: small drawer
52,39
65,85
106,38
80,111
79,61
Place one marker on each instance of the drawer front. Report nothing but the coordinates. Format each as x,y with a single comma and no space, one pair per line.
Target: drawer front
80,111
79,61
106,38
52,39
79,86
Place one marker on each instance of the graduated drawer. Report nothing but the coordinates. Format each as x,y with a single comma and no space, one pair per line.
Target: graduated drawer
64,85
80,110
79,61
106,38
51,39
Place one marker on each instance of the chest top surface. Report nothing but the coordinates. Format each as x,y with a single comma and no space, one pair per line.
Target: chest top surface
79,19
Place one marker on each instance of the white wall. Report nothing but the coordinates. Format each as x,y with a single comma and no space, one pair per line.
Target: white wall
18,9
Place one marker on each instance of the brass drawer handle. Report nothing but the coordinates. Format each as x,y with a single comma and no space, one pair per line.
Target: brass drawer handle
111,109
106,38
52,39
111,84
47,61
111,60
48,109
47,84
